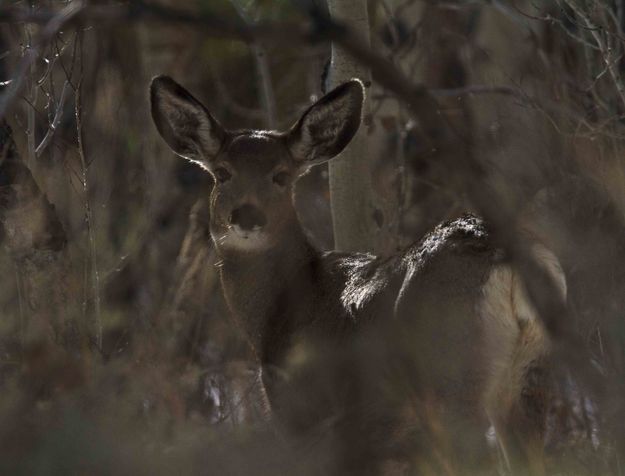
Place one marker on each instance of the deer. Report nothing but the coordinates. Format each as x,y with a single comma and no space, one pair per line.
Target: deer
450,305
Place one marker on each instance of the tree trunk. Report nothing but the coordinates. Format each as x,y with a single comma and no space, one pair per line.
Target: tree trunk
35,239
354,212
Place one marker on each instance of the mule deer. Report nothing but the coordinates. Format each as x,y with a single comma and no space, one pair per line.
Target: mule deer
449,304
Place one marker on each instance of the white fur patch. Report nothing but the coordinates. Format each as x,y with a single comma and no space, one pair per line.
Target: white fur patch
243,241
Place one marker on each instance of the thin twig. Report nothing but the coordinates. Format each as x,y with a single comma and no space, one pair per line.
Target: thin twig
30,118
20,299
55,122
50,63
606,52
95,278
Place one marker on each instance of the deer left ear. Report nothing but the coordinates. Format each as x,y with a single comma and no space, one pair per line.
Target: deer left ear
184,123
327,126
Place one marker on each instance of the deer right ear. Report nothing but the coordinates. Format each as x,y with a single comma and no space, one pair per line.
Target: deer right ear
326,128
184,123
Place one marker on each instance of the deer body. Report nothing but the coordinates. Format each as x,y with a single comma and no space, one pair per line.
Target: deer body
335,294
449,305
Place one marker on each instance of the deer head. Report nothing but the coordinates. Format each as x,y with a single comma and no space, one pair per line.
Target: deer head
254,171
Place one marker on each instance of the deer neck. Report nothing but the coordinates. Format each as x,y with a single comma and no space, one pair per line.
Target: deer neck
267,290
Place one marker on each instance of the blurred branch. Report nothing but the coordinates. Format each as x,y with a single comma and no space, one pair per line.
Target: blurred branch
212,24
477,89
229,102
264,74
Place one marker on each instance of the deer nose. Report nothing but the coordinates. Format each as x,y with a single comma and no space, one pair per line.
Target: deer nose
248,218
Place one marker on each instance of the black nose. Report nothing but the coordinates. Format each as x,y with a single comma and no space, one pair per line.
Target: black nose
248,217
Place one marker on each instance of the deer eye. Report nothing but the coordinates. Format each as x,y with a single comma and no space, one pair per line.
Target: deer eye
281,178
222,175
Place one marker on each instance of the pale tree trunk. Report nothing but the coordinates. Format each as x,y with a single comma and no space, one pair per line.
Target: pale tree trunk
353,201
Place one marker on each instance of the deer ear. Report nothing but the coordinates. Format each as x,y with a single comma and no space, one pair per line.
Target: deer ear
184,123
326,128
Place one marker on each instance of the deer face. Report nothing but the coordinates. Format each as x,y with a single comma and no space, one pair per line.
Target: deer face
254,171
251,200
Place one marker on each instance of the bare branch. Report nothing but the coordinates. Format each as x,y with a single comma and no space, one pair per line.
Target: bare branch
53,24
93,268
55,122
606,52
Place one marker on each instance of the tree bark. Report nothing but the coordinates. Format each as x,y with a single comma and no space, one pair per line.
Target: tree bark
354,212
